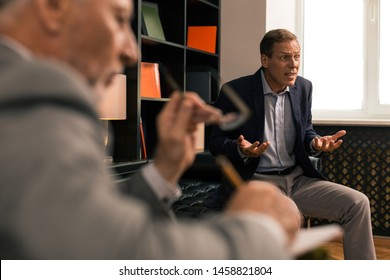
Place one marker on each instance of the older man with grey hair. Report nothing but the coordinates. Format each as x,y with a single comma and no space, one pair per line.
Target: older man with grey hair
57,199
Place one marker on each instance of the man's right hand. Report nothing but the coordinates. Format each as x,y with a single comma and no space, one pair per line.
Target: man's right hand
264,198
249,149
176,127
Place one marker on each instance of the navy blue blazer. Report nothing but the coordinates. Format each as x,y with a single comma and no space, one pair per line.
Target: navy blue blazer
250,89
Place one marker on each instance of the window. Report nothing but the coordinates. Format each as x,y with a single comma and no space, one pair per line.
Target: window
384,58
346,54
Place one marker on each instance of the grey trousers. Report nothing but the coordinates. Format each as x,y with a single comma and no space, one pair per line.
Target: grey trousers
326,200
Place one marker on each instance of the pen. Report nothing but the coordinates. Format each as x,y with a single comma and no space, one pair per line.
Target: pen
229,171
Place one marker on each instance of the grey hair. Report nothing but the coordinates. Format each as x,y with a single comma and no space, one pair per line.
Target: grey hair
3,2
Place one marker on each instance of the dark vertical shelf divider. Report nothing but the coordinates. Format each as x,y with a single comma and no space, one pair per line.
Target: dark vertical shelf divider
177,58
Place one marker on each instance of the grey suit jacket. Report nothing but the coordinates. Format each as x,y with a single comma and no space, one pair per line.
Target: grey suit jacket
58,200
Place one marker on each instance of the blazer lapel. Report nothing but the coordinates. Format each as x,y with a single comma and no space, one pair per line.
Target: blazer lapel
295,101
294,98
257,97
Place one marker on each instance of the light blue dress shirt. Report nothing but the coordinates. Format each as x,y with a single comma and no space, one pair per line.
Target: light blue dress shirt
279,130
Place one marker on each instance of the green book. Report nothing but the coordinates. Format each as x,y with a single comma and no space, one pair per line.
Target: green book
152,20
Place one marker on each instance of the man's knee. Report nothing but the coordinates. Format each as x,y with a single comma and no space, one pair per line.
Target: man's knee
360,201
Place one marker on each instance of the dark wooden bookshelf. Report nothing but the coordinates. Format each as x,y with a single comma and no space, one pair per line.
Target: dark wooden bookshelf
177,58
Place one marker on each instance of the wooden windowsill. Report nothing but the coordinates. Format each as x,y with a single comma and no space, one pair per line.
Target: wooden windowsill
357,122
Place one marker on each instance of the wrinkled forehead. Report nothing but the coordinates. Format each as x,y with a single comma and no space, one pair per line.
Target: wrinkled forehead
287,46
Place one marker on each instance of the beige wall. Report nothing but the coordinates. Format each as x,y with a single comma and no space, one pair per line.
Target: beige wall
243,25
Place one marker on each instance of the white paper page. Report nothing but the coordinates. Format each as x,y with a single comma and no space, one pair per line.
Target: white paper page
312,238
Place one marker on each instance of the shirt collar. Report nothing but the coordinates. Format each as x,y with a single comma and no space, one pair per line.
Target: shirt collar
16,47
266,87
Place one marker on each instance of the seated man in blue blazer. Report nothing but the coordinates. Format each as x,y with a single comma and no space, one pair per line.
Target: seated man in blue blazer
275,144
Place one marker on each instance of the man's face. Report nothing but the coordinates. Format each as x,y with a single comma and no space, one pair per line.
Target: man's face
281,69
98,39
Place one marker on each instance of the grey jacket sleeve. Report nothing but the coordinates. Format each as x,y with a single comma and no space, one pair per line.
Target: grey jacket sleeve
58,201
136,186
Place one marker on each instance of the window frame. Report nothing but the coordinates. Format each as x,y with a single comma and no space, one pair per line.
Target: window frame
372,112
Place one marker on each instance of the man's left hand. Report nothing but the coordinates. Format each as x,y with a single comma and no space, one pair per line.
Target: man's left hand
328,143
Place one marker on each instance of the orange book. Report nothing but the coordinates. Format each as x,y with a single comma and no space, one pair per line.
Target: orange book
150,80
202,38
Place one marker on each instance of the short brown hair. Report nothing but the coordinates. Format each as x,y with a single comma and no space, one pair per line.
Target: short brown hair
275,36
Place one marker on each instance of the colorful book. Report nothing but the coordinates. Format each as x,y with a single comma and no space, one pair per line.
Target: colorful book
150,80
202,38
151,19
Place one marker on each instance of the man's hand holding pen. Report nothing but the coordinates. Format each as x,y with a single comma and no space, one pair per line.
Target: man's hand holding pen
176,126
262,198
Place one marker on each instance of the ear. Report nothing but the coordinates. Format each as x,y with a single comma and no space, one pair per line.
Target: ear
52,13
264,60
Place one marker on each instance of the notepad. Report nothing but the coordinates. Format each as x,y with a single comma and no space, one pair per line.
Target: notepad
310,239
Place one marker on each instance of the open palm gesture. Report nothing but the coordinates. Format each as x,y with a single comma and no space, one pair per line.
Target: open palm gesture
328,143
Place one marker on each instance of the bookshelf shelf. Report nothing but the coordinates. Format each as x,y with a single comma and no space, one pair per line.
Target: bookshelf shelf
146,99
173,53
189,49
154,41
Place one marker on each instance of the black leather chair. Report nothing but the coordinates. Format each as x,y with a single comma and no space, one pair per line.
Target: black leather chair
201,181
198,183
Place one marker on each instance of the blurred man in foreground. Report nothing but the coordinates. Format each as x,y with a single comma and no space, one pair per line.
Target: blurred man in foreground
58,200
